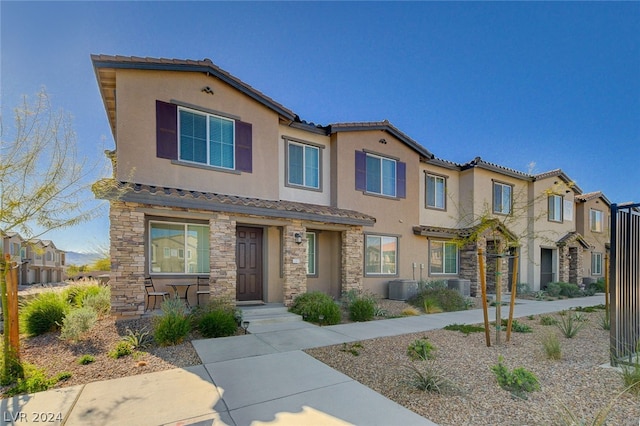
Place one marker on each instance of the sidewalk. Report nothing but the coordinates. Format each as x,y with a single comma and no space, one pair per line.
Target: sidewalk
258,379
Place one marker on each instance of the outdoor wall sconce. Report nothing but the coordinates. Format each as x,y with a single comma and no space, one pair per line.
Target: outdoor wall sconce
297,238
245,326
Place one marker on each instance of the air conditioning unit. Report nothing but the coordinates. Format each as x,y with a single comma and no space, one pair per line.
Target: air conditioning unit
402,289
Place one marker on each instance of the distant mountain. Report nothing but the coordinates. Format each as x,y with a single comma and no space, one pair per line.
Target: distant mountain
75,258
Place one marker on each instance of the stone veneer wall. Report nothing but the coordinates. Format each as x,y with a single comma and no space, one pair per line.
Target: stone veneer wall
352,259
127,260
294,274
222,260
570,268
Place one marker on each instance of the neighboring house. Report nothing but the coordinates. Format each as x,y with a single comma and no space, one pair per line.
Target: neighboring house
592,221
220,180
39,261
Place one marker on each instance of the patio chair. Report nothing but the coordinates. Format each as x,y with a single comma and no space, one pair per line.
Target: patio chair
202,288
151,291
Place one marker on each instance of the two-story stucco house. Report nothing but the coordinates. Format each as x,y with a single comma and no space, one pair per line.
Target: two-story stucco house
221,181
38,261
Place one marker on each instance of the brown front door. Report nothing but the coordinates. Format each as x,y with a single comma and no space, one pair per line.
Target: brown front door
249,260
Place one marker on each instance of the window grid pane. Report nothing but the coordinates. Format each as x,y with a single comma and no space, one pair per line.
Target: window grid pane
311,253
311,167
173,239
374,175
296,160
388,177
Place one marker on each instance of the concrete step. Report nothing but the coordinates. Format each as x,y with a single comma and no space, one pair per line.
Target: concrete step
268,314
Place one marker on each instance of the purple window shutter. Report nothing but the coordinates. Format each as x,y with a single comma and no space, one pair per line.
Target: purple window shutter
166,130
361,171
401,180
244,155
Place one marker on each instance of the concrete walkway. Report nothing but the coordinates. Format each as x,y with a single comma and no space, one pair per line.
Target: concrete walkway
258,379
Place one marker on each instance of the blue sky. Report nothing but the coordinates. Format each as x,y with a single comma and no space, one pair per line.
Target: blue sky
516,83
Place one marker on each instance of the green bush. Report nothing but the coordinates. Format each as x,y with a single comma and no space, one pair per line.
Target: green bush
570,290
447,299
312,305
362,310
173,325
548,320
421,349
121,349
570,325
552,346
77,322
465,328
86,359
35,380
217,323
518,382
99,300
427,378
597,287
517,327
43,313
523,289
138,339
553,289
431,285
75,294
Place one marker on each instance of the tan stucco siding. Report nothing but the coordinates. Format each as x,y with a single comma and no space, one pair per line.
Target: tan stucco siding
394,216
320,196
137,92
327,277
273,257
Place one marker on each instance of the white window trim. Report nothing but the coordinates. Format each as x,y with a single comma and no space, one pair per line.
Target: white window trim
599,222
444,244
395,186
207,115
185,260
304,169
560,200
593,256
493,194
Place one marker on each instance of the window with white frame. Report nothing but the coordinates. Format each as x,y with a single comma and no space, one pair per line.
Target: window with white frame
436,191
206,139
381,255
311,253
174,238
597,220
555,208
596,263
443,258
303,168
381,175
502,198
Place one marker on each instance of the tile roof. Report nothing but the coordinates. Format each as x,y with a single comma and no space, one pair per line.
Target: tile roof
571,236
479,162
174,197
562,175
592,196
381,125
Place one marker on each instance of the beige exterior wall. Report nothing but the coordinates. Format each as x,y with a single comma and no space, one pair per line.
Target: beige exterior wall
450,216
292,193
394,216
597,240
136,133
273,257
327,278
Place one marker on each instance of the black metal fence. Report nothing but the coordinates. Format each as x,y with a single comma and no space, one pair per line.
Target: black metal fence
624,281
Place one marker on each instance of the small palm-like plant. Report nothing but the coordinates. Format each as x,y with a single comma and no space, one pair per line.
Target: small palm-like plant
570,326
427,378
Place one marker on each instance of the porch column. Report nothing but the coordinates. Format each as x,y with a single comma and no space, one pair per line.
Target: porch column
352,259
470,266
127,260
563,264
222,260
294,265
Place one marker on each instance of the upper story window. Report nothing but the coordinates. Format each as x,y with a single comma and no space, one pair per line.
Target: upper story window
303,168
376,174
381,255
502,201
203,138
168,242
443,258
436,191
206,139
555,208
596,219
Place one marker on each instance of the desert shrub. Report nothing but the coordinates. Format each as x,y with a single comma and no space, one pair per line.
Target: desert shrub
570,325
523,289
86,359
589,309
518,381
312,305
138,339
631,376
362,310
353,349
426,377
431,285
173,325
34,380
410,311
517,327
553,289
465,328
597,287
121,349
447,299
421,349
217,323
551,346
43,313
75,294
570,290
77,322
548,320
431,306
605,320
99,300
